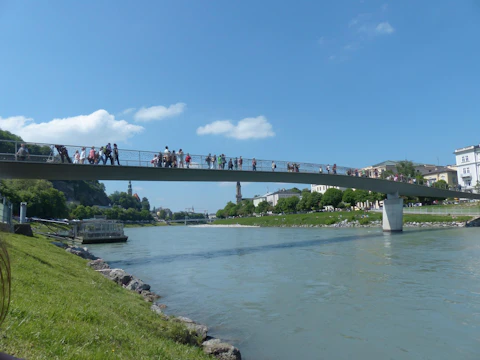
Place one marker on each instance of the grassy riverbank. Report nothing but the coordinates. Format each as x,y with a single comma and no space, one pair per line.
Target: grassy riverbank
61,309
330,218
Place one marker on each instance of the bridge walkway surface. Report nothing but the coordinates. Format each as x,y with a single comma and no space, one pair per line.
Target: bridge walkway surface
44,162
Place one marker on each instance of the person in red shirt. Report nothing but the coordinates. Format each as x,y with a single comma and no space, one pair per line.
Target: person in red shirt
188,159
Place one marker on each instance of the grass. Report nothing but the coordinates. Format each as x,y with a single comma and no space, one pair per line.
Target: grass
329,218
61,309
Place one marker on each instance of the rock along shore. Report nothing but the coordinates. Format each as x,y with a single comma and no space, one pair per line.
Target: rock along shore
212,346
378,223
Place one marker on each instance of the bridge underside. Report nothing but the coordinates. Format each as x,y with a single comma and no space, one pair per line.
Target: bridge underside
59,171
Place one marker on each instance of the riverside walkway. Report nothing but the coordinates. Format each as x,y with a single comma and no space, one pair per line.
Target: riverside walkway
44,163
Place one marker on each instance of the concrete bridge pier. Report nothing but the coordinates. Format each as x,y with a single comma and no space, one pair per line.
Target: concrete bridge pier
393,213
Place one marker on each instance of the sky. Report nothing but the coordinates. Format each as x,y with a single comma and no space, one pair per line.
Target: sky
347,82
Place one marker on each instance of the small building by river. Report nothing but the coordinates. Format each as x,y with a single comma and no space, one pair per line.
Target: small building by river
99,230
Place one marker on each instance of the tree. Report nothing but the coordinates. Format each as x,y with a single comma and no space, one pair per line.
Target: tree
145,204
349,197
332,197
361,195
262,207
291,204
315,201
125,201
162,214
280,206
406,168
220,214
295,190
441,184
477,187
42,199
302,204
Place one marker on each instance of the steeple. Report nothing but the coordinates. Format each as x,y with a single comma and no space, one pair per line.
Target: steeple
130,188
239,193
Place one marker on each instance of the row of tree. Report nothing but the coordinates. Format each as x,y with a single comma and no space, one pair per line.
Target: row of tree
116,212
308,201
43,201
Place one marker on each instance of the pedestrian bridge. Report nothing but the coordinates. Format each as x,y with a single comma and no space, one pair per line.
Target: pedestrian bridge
44,163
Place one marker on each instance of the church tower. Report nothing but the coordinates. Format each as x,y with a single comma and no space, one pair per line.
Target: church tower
239,193
130,188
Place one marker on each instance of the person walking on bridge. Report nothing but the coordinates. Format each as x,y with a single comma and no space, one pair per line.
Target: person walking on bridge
235,163
208,160
22,153
334,170
240,163
328,169
274,166
91,155
188,160
115,154
108,153
254,164
230,164
83,156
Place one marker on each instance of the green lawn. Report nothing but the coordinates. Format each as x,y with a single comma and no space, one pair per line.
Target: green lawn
61,309
329,218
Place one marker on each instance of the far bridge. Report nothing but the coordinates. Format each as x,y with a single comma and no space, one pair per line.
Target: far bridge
45,162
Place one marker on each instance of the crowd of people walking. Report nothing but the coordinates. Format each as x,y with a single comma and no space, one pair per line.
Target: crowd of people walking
179,159
93,156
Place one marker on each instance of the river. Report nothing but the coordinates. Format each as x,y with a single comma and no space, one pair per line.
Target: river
299,293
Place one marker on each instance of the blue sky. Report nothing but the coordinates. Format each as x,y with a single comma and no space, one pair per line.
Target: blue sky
350,82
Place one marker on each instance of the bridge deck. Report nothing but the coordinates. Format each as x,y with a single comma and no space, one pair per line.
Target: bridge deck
60,171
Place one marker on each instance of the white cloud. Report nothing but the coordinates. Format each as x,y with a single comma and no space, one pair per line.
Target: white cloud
159,112
96,128
127,111
384,28
248,128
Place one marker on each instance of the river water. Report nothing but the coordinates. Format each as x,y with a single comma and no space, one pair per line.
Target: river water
298,293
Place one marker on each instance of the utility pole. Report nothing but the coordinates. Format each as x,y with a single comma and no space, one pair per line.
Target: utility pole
239,193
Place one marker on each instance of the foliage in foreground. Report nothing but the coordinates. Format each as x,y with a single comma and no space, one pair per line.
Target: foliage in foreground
61,309
329,218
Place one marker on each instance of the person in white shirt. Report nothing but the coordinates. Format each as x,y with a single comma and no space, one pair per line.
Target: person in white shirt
180,158
83,156
76,157
328,169
101,155
274,166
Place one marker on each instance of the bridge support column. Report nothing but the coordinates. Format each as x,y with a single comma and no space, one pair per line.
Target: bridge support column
393,213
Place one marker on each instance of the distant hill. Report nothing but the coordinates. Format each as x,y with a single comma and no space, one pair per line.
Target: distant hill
87,193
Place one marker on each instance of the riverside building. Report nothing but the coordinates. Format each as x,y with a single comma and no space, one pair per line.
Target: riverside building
468,164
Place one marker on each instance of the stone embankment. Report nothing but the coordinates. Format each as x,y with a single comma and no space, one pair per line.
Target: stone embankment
377,223
212,346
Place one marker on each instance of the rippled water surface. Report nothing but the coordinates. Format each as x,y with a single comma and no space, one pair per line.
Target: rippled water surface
317,293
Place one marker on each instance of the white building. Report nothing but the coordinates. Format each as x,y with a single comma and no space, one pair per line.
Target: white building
322,188
468,166
272,198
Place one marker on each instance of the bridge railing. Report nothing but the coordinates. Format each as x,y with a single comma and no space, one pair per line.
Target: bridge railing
41,152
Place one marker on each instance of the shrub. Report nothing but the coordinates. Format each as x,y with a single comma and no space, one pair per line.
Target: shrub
364,221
